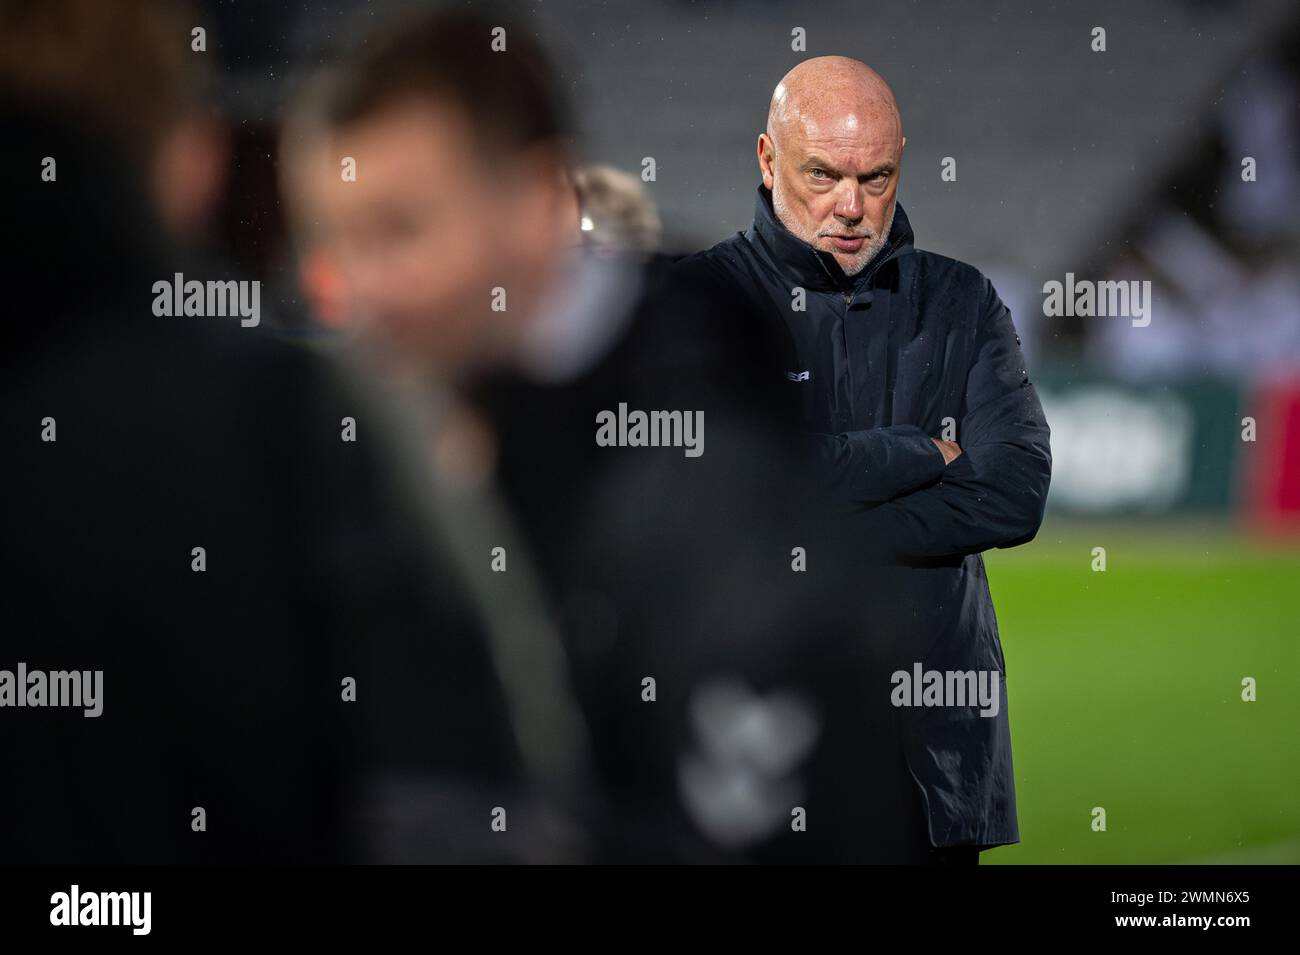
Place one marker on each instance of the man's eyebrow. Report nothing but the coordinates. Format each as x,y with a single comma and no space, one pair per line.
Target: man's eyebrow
816,162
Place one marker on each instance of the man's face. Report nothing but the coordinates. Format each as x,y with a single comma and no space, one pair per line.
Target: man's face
428,229
834,182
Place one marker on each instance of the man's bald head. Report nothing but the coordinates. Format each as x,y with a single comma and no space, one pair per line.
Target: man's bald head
819,91
831,154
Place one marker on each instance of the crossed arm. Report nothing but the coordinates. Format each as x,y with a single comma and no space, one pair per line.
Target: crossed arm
932,499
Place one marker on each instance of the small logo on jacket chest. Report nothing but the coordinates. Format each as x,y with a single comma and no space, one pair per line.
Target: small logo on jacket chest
797,376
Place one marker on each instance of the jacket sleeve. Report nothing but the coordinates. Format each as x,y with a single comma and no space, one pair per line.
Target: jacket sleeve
868,466
874,465
994,493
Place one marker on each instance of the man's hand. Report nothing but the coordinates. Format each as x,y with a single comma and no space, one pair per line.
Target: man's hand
950,450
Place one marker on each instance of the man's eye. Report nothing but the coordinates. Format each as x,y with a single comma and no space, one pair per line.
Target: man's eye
879,177
818,173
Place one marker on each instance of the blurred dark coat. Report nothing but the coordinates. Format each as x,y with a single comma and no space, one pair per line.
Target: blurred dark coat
878,363
681,570
222,689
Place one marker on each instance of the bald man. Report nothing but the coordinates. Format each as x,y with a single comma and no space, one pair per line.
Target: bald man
912,390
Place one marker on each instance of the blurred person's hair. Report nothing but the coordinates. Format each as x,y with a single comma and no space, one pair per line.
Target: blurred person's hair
125,71
512,99
617,213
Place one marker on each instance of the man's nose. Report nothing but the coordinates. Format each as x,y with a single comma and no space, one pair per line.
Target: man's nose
848,203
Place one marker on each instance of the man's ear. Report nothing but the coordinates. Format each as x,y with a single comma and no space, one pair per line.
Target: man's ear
766,158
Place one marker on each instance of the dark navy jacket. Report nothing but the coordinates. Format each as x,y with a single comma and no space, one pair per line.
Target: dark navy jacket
878,362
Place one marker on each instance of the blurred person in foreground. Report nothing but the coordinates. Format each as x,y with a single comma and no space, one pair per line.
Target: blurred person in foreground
183,516
723,697
917,404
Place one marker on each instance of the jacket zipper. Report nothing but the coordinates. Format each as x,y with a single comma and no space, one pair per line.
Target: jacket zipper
891,252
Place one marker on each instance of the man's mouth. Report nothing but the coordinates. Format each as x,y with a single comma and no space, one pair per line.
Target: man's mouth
847,243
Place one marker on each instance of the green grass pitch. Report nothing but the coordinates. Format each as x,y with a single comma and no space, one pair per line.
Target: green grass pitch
1125,691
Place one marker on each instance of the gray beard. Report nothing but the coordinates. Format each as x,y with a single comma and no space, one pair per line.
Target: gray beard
860,260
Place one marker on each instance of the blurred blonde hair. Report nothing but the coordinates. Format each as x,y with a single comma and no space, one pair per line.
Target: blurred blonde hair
617,214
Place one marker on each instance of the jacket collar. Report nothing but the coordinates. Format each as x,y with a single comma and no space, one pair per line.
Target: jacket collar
794,259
